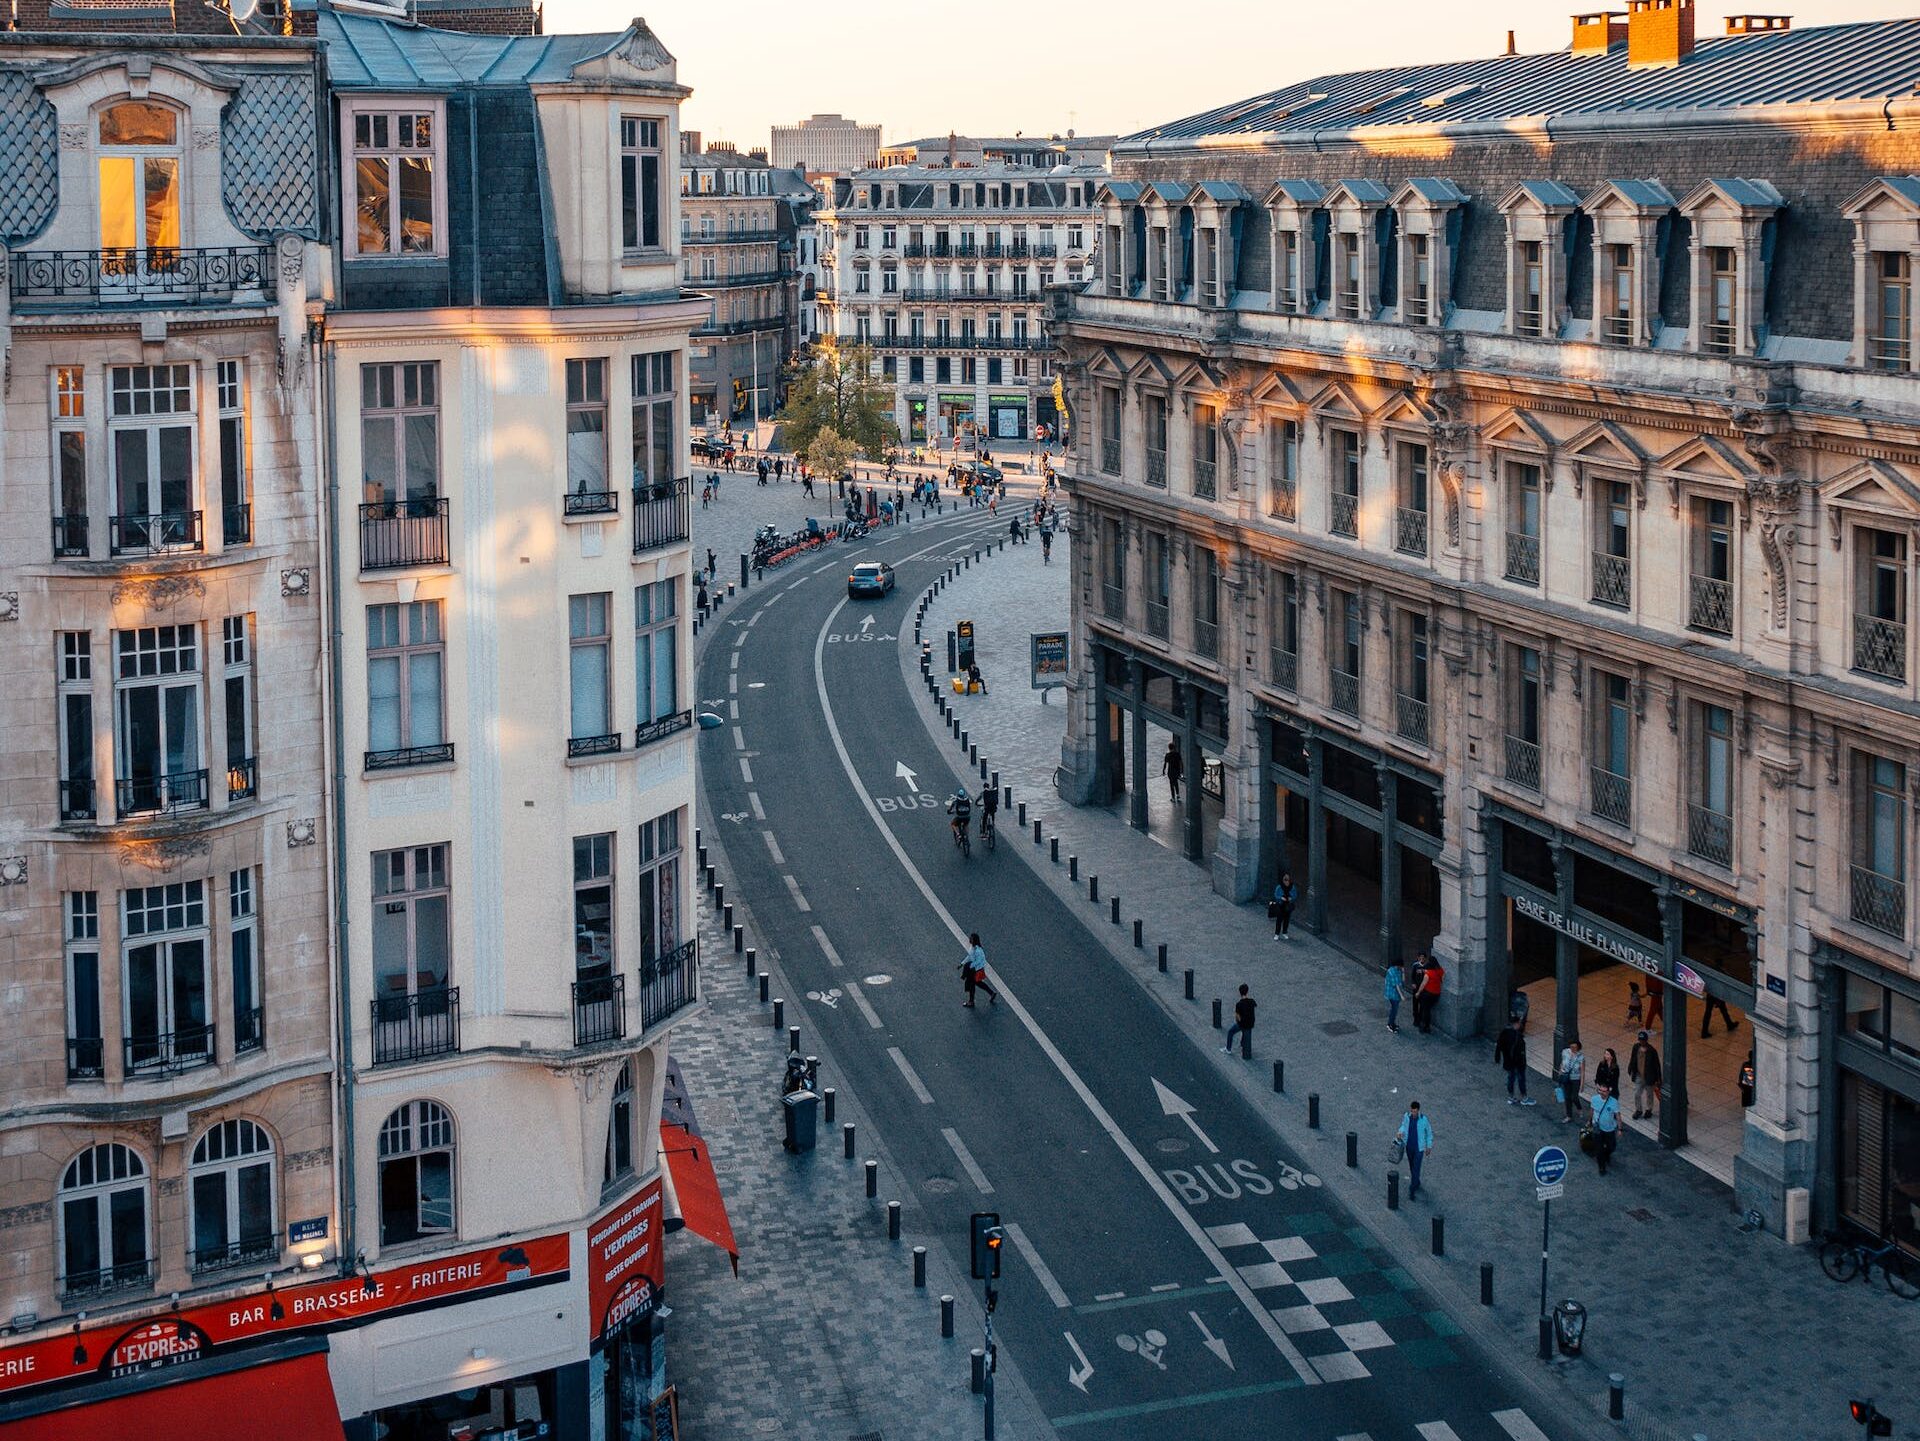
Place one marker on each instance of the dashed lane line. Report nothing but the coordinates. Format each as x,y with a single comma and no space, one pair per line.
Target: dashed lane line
793,887
773,848
746,771
826,947
753,799
967,1163
739,739
860,1003
914,1083
1041,1273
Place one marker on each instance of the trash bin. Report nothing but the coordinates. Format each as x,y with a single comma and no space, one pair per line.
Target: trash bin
803,1120
1569,1326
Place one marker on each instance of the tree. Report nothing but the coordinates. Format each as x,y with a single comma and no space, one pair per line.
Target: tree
836,390
829,454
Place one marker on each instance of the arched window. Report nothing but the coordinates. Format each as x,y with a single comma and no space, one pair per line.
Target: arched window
232,1190
620,1129
103,1222
139,161
416,1173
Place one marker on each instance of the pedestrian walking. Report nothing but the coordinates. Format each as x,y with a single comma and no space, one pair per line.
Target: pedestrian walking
1606,1126
706,496
1566,1079
1706,1015
1643,1069
1510,1050
1286,895
713,562
1173,768
700,599
1416,1140
1607,1073
1395,989
1656,1002
973,972
1242,1020
1432,974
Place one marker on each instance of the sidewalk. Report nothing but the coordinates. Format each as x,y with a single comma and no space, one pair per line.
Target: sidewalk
1719,1334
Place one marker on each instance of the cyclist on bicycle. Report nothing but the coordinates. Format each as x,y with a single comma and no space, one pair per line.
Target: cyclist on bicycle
960,807
989,807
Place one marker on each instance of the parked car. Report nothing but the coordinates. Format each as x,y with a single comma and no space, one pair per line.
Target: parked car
980,470
870,578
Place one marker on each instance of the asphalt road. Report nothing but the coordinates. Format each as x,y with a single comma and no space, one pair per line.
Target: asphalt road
1173,1271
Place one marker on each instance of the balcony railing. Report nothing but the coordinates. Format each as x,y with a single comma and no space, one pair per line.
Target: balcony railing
1612,580
1284,500
236,524
1611,795
1529,322
731,237
414,1027
1888,352
161,795
1343,514
1158,619
178,277
1710,604
249,1030
70,537
668,983
1716,337
922,295
662,514
1411,718
247,1251
1410,531
1157,468
1113,601
243,779
1880,647
1872,900
176,1050
1523,762
1344,692
1109,458
578,746
590,502
1206,638
163,533
76,801
1709,834
1523,557
738,282
1617,329
406,757
396,533
107,1281
86,1058
656,730
1205,479
957,342
1286,668
757,325
599,1010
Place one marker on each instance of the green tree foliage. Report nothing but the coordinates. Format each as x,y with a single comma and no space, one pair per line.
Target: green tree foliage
837,391
830,454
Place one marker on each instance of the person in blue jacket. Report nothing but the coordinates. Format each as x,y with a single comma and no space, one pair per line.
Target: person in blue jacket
1396,982
1416,1134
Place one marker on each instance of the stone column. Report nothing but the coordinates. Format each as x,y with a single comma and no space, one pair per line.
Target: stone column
1137,737
1673,1034
1389,867
1316,838
1566,958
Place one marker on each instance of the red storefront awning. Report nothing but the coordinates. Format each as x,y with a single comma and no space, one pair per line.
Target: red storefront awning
293,1398
697,1189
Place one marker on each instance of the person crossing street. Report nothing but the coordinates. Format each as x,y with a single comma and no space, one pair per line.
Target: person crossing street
973,972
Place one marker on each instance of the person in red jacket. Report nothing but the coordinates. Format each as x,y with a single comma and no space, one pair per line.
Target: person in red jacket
1432,974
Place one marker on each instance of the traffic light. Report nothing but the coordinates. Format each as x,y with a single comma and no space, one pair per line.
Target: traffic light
987,1240
1866,1414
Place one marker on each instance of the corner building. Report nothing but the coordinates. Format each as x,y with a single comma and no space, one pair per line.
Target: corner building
1499,482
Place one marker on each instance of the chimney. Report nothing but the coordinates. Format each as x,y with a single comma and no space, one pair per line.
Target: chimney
1659,33
1510,49
1757,24
1595,34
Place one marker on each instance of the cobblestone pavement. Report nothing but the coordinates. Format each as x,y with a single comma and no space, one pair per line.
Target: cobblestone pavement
1718,1333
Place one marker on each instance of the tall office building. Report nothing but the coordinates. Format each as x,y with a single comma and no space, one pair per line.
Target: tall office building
823,145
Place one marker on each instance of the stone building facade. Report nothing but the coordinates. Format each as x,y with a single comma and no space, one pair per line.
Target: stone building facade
825,145
1499,484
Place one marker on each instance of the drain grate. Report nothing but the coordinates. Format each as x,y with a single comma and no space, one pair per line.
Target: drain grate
1339,1028
1640,1213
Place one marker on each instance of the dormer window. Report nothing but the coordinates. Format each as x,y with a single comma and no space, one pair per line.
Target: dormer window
1530,318
1731,220
1616,296
1890,316
1351,276
1421,214
1723,274
1630,218
139,177
1886,254
393,182
1419,280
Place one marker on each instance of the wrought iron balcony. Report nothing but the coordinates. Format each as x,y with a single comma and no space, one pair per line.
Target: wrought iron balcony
1205,479
1875,900
247,1251
243,779
70,537
1157,468
86,1058
1717,337
729,237
1612,580
1109,458
738,282
934,295
1888,352
1283,500
1523,762
406,757
590,502
76,801
1409,530
181,1049
1343,515
668,983
1286,668
1523,557
1710,604
1159,618
1206,638
1709,834
1343,692
599,1010
164,533
1617,329
249,1030
648,732
1611,795
127,1276
236,524
1880,647
1411,719
662,514
161,795
210,276
398,533
606,745
757,325
416,1026
1113,601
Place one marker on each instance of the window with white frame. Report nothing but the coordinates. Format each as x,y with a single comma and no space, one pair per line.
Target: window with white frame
416,1173
589,675
86,1042
619,1157
139,170
406,687
593,906
1880,606
75,691
1283,469
1616,295
398,197
150,433
656,650
653,420
659,885
411,926
236,512
70,503
104,1199
400,437
160,763
230,1185
587,428
640,178
164,939
236,679
1877,871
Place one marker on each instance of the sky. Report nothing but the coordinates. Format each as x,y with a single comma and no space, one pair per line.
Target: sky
997,67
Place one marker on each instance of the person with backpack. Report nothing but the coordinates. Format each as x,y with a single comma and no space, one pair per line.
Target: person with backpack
1510,1050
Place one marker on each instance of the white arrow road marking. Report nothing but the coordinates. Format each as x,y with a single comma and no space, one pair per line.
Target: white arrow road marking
867,624
1212,1342
1078,1376
900,770
1172,1105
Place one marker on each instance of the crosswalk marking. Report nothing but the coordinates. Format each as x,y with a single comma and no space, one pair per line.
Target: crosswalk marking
1517,1424
1437,1431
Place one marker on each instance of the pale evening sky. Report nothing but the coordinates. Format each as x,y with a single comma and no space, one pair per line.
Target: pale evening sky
992,67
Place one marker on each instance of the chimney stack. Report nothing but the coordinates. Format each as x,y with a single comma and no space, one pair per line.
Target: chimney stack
1510,49
1596,33
1757,24
1659,33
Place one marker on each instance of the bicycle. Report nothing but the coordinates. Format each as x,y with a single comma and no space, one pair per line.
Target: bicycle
1843,1260
987,828
960,839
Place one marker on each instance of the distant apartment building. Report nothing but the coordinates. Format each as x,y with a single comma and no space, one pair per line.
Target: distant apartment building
823,145
1039,152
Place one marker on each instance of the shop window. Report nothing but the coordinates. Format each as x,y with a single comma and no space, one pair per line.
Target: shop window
1289,747
232,1194
416,1173
1878,1185
103,1223
518,1410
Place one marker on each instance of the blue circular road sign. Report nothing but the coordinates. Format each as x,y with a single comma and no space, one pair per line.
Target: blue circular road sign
1549,1166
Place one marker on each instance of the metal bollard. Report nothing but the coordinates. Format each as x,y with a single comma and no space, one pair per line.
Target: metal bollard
1093,889
752,963
720,897
1486,1283
1021,816
1216,1013
1006,793
1246,1045
919,1268
779,1013
764,978
893,1220
946,1317
1440,1242
739,939
1279,1076
966,739
726,917
873,1179
1161,956
1114,909
1393,1189
1616,1396
793,1038
1073,868
702,850
1353,1149
1053,846
973,754
846,1140
1139,943
1313,1110
983,770
979,1359
826,1099
996,780
743,571
1189,983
